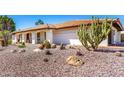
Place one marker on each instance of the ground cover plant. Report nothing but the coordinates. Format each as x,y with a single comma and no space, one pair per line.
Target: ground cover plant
21,45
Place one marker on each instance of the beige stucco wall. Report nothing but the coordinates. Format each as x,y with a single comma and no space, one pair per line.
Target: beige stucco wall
104,42
67,35
34,37
14,39
23,38
76,40
115,36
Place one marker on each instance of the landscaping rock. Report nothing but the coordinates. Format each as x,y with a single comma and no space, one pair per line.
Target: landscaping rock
41,46
37,50
28,64
119,54
53,46
69,47
45,60
78,53
13,51
22,50
74,61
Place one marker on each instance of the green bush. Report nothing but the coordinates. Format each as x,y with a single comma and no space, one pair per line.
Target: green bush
10,41
22,45
47,44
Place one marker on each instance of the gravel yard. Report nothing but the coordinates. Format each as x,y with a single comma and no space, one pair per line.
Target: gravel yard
32,64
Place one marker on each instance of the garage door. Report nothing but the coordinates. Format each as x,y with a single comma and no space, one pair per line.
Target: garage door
65,37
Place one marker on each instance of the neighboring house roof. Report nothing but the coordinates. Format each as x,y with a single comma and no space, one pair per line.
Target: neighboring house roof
74,23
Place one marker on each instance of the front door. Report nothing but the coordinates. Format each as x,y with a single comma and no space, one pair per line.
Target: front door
28,38
38,38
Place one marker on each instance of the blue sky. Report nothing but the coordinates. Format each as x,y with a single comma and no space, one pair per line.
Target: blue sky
25,21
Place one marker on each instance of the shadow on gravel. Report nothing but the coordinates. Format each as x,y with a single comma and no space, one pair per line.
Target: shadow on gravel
1,49
109,50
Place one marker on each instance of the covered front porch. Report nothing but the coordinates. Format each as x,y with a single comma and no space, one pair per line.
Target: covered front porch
34,37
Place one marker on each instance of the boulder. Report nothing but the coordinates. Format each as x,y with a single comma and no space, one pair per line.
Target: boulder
37,50
119,54
53,46
74,61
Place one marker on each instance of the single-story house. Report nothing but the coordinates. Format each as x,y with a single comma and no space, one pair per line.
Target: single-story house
64,33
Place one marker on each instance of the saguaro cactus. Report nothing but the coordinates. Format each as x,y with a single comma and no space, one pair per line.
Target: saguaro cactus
91,35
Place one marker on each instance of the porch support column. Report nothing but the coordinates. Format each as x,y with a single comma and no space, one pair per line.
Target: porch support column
14,39
23,38
34,38
49,36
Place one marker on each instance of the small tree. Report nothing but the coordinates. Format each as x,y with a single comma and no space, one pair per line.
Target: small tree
5,36
91,35
39,22
7,23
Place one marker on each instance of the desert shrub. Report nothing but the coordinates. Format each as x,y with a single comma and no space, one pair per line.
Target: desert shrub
47,44
91,35
53,46
21,46
10,41
23,43
45,60
62,46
